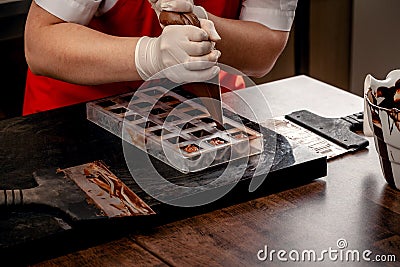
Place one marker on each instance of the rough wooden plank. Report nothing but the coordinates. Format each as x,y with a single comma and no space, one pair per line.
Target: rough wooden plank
299,219
228,237
118,253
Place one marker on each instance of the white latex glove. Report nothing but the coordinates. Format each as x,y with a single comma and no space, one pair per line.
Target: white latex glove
178,6
209,27
188,47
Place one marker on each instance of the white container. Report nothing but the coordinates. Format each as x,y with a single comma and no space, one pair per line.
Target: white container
384,121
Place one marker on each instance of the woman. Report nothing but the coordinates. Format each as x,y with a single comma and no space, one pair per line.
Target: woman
80,50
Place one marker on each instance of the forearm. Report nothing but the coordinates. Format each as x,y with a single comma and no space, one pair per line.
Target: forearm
75,53
248,46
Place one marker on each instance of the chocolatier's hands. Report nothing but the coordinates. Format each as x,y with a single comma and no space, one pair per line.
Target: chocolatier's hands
186,46
178,6
209,27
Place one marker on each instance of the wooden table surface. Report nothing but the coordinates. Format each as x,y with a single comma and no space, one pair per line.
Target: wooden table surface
353,203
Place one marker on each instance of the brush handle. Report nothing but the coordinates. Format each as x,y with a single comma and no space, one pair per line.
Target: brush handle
11,197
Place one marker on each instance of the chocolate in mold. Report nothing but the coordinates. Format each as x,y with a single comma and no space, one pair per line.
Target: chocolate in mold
216,141
173,18
190,148
185,134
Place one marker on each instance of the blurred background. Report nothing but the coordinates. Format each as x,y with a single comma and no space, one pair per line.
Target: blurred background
336,41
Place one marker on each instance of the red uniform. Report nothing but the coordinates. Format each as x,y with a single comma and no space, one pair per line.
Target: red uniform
127,18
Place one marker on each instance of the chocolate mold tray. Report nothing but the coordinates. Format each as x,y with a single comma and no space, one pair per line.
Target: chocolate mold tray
175,129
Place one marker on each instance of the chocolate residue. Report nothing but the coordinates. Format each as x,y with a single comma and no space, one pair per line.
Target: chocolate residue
391,96
216,141
393,120
98,174
172,18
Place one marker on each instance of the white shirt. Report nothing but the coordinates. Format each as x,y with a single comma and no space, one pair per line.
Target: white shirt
275,14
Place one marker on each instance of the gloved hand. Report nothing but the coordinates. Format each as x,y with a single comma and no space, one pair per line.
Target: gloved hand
178,6
188,47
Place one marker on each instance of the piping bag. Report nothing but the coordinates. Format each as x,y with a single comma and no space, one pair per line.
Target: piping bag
209,91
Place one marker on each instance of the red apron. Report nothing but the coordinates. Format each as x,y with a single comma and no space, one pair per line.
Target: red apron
126,18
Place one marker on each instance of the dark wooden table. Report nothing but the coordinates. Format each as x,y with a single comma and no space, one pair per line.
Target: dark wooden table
352,203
